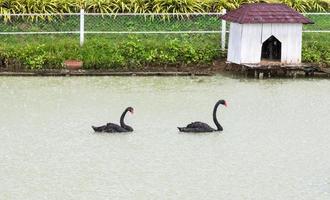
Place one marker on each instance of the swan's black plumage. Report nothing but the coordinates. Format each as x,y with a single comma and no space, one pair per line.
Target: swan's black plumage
199,127
114,128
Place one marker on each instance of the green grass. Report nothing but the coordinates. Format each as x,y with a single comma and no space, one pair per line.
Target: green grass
134,23
111,23
321,22
316,48
110,51
126,52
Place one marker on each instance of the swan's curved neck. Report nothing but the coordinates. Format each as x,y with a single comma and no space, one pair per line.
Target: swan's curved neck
122,123
219,127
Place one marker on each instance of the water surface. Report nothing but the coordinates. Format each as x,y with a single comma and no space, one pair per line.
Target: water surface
275,143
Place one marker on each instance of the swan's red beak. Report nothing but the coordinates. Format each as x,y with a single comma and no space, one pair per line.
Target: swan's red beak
225,103
132,111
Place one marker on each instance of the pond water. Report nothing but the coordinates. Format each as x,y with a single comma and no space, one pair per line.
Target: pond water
275,143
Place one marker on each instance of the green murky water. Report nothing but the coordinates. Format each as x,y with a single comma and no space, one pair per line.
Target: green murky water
275,143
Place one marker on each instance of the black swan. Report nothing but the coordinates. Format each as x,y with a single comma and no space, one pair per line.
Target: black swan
114,128
199,127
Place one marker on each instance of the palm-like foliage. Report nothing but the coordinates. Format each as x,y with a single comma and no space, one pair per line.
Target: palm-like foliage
141,6
233,4
98,6
307,5
177,6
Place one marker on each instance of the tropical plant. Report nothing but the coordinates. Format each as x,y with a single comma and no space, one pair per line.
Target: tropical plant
142,6
178,6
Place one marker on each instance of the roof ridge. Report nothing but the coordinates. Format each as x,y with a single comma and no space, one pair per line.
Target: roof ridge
265,13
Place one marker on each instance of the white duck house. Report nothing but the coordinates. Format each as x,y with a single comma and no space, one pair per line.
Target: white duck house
262,33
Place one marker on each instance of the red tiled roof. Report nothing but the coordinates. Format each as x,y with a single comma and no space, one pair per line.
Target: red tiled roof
265,13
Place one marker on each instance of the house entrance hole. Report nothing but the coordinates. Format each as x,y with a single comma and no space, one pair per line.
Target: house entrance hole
271,49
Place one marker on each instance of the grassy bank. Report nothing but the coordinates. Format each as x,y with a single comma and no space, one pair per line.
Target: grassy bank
109,52
131,52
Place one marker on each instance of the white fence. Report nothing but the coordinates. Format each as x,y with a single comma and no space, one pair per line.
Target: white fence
131,23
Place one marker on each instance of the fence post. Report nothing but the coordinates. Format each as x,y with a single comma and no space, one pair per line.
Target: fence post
82,26
223,32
